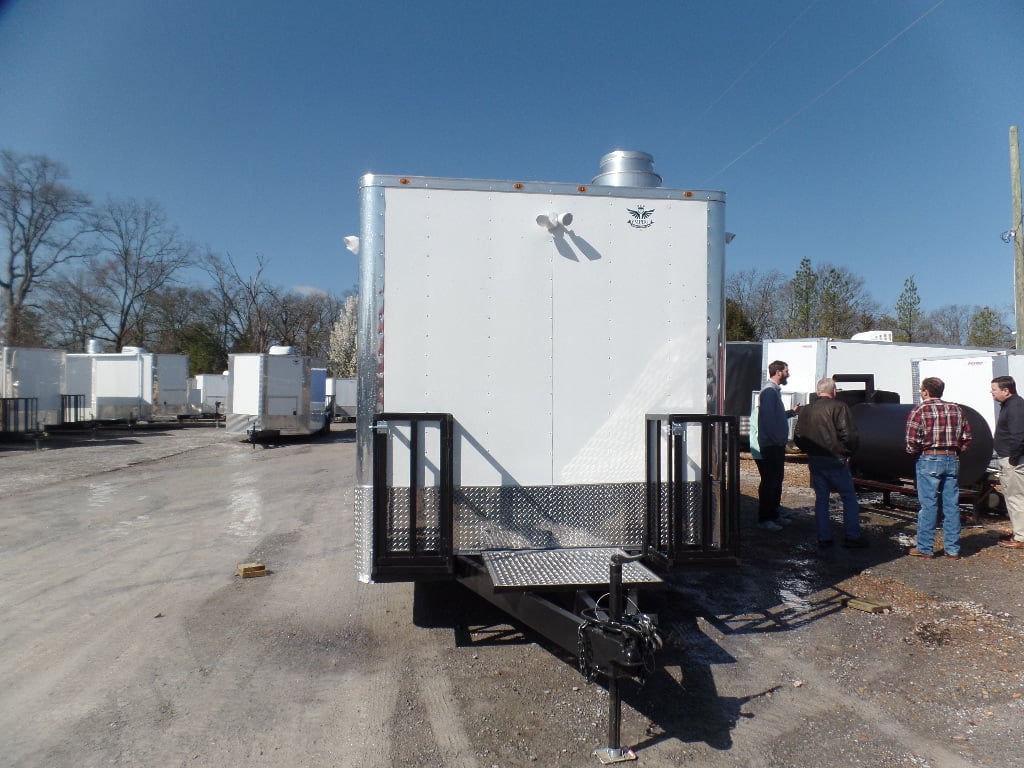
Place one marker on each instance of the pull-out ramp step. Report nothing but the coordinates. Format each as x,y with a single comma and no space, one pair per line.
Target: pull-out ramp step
514,570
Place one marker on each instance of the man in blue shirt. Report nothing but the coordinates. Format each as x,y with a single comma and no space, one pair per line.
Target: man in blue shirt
772,436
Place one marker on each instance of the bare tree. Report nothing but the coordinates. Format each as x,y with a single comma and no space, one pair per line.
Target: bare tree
183,319
761,296
139,254
245,304
43,223
304,321
951,324
70,311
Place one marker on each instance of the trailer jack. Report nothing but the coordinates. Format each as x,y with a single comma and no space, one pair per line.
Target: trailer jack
637,637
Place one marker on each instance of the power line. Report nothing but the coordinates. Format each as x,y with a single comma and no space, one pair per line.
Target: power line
754,63
821,95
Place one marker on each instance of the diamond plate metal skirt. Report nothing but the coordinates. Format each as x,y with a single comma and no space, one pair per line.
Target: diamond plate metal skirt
518,517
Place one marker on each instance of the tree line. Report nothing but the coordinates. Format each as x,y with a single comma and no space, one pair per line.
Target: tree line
121,273
831,301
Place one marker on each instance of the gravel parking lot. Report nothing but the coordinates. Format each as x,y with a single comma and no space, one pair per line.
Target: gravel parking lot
129,639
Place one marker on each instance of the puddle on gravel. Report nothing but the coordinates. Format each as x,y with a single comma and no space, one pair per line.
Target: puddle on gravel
100,494
246,506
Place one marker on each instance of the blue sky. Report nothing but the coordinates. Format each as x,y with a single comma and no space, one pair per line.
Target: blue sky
870,134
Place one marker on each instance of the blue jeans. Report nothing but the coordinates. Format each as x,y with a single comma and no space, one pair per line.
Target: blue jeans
937,477
831,474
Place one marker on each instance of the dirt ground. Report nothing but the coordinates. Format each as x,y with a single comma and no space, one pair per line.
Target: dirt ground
766,665
129,640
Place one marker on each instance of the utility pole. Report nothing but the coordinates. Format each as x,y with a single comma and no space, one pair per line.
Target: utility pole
1017,236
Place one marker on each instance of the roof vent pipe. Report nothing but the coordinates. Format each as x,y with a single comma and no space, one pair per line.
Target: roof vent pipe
627,168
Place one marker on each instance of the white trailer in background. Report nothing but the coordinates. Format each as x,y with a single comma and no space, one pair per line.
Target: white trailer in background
342,393
276,393
208,394
131,385
76,382
30,388
968,378
170,386
119,386
816,358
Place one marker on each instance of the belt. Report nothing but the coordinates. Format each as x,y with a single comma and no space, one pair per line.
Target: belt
939,452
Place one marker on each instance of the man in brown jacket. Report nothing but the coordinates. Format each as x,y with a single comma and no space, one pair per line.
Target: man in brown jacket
825,432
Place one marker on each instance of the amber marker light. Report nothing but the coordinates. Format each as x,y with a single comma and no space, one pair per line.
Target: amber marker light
687,194
581,188
403,181
517,185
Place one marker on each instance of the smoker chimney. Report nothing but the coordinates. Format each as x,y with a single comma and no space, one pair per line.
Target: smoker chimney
627,168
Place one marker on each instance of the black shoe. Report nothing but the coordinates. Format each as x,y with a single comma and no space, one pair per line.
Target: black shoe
855,544
825,543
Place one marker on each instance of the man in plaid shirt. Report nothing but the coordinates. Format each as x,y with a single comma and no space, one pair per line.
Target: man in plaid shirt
936,433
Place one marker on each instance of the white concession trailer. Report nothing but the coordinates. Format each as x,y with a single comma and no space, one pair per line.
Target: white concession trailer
131,385
30,388
888,361
276,393
342,394
968,378
540,391
208,394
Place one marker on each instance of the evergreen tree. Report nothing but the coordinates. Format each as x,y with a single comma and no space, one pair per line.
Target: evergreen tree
738,326
987,329
908,312
804,289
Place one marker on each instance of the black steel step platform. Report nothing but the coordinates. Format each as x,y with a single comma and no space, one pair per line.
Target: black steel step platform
560,568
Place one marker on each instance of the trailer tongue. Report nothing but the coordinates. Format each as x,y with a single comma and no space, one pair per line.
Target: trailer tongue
540,399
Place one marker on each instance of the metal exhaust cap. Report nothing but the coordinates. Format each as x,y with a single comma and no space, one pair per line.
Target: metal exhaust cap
627,168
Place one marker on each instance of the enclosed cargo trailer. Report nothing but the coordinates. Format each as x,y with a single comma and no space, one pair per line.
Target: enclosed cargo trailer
816,358
131,385
208,395
540,394
342,395
968,378
30,385
276,393
170,386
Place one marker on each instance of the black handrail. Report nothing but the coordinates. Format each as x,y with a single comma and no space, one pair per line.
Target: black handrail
674,535
393,563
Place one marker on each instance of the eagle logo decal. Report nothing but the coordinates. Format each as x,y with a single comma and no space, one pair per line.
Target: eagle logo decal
640,217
